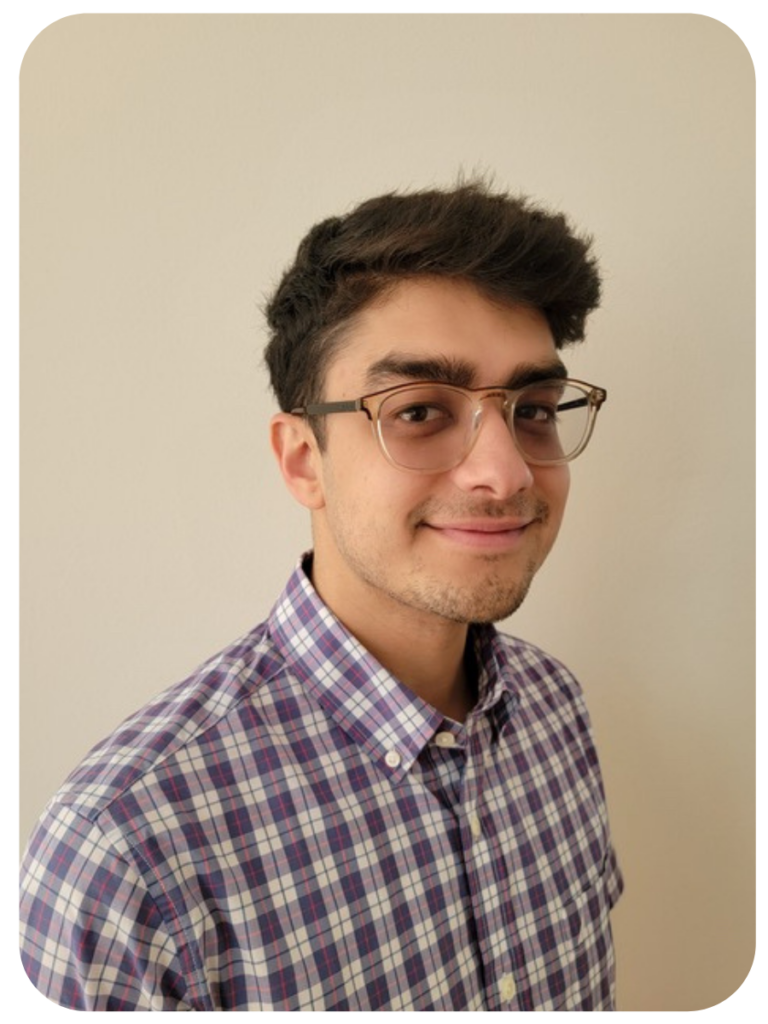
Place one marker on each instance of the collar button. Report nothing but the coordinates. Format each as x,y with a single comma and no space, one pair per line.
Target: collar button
392,758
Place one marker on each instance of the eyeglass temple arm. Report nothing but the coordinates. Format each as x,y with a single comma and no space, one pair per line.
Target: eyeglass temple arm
596,397
321,408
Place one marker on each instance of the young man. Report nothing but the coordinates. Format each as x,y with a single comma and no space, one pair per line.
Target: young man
373,801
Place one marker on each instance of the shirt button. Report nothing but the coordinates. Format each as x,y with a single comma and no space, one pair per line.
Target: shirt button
392,758
475,826
445,739
507,988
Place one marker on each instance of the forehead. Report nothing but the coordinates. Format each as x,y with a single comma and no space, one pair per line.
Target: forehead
432,321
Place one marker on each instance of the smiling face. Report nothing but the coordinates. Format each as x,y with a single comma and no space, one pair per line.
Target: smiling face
462,545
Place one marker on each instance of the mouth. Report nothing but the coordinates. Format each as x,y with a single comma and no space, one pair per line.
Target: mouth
483,534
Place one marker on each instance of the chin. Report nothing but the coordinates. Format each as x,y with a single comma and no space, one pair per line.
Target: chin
494,600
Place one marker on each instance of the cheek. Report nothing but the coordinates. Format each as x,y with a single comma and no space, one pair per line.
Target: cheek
364,494
564,484
553,484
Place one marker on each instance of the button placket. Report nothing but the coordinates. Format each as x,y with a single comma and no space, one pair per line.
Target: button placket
480,842
477,761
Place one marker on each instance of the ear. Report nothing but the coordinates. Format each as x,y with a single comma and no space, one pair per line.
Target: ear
297,454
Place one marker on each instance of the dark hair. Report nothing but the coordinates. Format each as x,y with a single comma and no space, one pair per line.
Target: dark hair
510,249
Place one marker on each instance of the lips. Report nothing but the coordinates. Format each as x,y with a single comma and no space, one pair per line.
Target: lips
483,525
483,534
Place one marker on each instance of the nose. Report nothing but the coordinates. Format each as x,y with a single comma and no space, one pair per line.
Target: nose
494,464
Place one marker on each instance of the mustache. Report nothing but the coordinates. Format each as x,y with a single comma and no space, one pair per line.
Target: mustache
520,506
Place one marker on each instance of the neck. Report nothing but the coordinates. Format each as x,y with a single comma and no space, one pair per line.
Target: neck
423,651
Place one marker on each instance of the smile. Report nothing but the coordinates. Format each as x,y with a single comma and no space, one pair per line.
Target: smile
485,534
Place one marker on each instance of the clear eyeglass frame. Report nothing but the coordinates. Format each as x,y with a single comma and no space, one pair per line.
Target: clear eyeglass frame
592,398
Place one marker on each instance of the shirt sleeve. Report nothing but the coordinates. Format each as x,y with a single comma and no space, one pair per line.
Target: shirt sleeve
92,937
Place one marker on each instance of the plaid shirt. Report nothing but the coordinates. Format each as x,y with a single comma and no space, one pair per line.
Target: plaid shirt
293,829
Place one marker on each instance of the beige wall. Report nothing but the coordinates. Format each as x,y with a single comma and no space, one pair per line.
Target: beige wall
170,165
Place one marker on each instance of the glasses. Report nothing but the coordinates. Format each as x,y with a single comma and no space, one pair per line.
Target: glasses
431,427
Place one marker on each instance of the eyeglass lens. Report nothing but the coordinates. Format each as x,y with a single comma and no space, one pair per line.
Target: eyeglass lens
432,427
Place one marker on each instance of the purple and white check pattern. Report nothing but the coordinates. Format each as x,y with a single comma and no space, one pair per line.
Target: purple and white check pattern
293,829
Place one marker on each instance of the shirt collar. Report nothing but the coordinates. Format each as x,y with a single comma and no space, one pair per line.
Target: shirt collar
373,708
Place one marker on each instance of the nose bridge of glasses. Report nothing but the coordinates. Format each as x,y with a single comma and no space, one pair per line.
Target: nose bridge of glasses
500,400
504,400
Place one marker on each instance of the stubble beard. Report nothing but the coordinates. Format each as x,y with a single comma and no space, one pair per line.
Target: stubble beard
489,597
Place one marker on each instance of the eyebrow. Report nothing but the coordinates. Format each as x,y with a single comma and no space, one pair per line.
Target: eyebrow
407,367
459,372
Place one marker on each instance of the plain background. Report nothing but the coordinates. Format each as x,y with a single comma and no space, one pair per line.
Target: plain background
169,166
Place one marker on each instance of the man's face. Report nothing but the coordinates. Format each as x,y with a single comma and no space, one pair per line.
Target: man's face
463,544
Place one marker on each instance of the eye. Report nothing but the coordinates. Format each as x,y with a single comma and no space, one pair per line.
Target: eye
536,412
421,413
418,420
